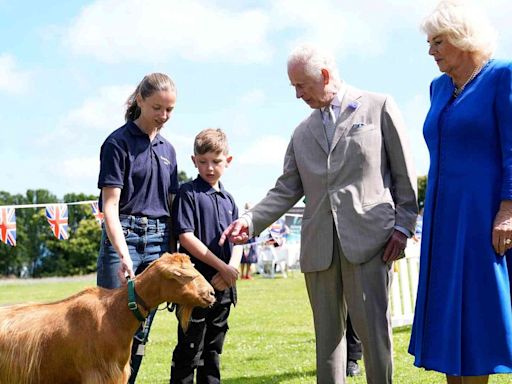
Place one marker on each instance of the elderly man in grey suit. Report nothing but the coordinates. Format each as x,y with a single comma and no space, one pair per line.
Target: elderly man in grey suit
351,161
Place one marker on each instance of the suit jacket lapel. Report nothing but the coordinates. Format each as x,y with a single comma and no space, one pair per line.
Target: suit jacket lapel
318,130
349,106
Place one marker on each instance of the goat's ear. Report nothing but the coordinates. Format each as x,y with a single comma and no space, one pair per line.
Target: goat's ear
183,275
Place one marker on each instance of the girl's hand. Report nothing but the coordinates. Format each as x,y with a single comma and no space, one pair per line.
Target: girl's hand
126,268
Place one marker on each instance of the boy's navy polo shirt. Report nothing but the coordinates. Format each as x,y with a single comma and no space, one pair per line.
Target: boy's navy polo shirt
145,171
200,209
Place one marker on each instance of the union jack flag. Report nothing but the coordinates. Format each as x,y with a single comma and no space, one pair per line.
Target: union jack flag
8,226
97,213
57,215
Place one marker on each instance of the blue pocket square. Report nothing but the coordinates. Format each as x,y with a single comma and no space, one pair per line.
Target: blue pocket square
358,125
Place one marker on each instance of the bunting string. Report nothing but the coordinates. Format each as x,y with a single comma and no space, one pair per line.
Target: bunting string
56,214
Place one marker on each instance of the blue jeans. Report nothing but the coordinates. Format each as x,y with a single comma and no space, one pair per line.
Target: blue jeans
147,240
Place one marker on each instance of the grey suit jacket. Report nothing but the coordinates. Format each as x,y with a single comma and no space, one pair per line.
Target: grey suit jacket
364,185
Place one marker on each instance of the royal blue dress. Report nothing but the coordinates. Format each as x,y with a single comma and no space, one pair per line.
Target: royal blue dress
463,318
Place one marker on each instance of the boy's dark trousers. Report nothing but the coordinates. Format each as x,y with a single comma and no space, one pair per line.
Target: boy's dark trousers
200,347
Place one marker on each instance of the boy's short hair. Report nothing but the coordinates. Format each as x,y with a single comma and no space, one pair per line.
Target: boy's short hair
211,140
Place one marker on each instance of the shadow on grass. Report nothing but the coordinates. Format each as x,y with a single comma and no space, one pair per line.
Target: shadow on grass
270,379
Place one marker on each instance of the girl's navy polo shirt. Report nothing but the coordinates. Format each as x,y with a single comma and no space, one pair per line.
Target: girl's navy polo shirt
200,209
145,171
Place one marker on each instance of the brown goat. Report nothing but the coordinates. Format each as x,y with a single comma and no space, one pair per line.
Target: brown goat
87,337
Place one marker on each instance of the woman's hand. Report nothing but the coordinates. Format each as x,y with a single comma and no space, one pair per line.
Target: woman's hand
126,268
502,228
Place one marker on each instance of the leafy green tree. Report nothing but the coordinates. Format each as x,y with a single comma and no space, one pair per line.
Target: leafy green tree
38,230
37,248
75,256
30,231
422,190
183,178
12,258
78,254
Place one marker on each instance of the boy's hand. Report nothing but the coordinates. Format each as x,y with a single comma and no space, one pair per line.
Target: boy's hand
218,282
229,274
237,232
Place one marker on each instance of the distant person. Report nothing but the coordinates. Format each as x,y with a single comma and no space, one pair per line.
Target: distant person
201,211
463,319
351,161
249,255
280,230
138,179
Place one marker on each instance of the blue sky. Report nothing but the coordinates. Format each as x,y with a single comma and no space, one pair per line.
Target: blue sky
66,69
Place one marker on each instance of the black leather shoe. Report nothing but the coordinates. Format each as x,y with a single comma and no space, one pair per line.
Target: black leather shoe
353,368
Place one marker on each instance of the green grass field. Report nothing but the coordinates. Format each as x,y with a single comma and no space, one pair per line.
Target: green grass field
271,338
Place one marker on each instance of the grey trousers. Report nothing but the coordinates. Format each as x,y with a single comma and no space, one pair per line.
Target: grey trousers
364,289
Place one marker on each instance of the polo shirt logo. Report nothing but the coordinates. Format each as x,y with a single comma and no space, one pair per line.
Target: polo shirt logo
165,160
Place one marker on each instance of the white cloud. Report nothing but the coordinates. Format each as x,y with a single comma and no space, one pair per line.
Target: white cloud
12,79
265,151
367,27
202,31
241,125
75,142
90,122
156,30
415,111
102,111
81,167
254,98
363,29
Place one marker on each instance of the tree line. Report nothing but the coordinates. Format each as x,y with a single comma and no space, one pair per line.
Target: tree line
40,254
37,250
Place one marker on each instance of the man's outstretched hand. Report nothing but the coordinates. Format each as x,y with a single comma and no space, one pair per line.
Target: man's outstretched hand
237,232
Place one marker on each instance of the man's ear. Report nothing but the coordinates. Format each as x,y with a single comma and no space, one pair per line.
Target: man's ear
193,158
326,75
228,159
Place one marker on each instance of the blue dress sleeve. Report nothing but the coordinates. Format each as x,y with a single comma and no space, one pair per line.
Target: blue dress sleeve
504,121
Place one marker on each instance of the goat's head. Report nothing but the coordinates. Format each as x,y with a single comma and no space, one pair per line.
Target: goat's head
184,285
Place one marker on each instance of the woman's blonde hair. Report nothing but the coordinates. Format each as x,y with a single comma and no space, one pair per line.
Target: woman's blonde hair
464,25
154,82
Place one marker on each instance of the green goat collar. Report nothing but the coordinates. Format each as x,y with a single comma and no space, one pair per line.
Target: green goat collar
132,301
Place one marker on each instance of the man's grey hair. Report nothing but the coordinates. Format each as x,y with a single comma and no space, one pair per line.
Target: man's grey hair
464,25
314,60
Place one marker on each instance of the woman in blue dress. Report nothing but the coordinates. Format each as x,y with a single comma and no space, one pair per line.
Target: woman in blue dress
463,320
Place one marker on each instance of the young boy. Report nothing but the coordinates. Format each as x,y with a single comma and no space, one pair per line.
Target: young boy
201,212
